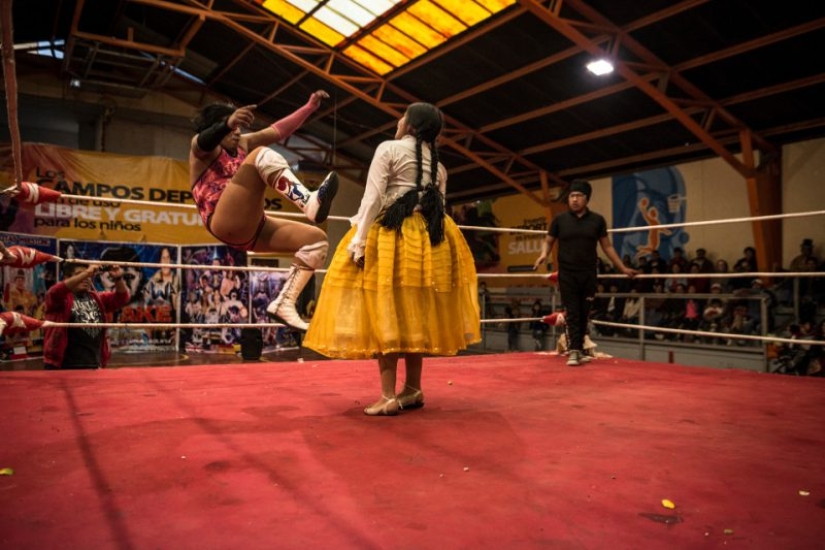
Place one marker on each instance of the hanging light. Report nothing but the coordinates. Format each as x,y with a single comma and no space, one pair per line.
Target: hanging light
600,67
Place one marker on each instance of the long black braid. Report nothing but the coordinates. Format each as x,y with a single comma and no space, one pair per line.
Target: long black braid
427,122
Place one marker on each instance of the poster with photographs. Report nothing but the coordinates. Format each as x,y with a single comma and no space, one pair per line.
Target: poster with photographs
24,291
213,295
265,287
155,292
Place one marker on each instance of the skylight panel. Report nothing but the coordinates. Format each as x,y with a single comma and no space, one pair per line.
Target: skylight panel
43,49
377,7
468,13
284,9
496,6
404,44
386,52
437,18
368,60
336,21
352,11
416,27
322,32
305,5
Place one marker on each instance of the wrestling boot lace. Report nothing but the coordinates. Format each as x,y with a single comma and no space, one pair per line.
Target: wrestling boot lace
282,309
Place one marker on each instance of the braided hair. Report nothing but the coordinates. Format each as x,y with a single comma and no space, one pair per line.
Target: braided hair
426,122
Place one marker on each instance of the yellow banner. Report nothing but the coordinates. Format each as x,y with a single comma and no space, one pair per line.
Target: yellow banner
496,252
91,174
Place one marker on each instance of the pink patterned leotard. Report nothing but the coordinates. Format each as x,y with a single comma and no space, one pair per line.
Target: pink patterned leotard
210,185
208,188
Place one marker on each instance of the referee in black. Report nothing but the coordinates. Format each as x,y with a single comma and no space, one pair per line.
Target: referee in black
578,231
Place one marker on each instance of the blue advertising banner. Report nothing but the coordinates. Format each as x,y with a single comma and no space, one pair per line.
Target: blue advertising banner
650,198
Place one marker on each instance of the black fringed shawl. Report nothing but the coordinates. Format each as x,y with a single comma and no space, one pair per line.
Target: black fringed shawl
431,202
432,208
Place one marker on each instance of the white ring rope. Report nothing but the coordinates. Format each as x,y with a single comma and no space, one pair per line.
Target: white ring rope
111,200
713,222
202,267
724,275
141,326
470,227
727,275
520,320
503,229
721,335
210,267
652,227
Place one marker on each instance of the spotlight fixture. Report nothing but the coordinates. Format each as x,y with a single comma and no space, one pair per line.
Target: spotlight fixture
74,83
600,67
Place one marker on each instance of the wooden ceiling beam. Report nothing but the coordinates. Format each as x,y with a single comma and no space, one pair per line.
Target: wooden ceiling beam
347,82
751,45
635,25
676,77
654,93
514,75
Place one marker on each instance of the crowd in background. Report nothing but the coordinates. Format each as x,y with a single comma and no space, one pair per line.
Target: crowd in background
733,305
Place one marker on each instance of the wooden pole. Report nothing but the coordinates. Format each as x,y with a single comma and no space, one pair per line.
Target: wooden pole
10,77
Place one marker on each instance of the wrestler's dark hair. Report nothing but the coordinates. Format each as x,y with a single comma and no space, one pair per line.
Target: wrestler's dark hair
212,114
425,122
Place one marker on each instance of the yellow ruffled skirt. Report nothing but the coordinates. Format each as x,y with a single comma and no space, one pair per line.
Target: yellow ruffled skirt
409,297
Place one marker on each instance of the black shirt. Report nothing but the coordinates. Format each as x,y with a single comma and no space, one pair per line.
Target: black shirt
578,237
83,351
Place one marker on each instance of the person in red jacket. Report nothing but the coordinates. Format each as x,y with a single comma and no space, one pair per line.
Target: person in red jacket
74,300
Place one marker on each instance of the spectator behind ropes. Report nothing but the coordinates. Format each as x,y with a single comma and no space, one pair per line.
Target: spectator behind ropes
806,250
759,290
745,264
701,264
75,300
678,259
712,316
539,328
656,263
739,322
674,283
631,310
654,307
513,311
484,299
693,311
812,362
673,310
722,267
608,308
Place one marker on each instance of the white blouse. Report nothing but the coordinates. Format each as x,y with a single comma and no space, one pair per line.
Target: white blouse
392,174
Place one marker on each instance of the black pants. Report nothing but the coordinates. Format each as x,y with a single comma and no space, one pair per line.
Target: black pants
578,290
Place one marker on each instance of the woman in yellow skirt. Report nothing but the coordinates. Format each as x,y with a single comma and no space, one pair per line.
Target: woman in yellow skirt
403,280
